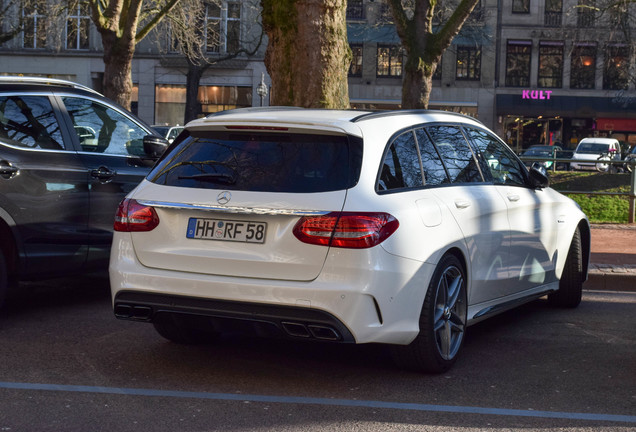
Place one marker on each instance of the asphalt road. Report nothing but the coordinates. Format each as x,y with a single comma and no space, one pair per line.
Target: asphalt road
68,365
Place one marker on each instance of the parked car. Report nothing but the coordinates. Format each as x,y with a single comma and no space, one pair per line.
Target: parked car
590,151
168,132
67,158
540,151
401,228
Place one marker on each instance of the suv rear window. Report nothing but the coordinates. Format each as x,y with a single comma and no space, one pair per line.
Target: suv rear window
261,162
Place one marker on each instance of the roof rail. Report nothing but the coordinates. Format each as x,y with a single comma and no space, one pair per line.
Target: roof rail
379,114
8,79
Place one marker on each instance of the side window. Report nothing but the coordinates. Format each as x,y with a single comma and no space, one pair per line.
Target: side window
501,161
432,167
401,167
29,121
101,129
458,158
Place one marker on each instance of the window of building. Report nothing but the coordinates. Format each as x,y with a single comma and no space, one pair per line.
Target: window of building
619,15
550,64
77,26
520,6
355,69
355,10
223,27
553,13
34,33
616,70
389,61
437,75
385,16
518,63
583,66
585,13
468,63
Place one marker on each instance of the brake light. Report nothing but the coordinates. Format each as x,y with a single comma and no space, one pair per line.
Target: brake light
346,229
134,217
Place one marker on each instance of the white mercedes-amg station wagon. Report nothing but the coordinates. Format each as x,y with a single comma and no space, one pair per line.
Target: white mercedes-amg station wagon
400,228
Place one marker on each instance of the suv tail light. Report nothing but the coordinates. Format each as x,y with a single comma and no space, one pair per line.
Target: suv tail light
346,229
132,216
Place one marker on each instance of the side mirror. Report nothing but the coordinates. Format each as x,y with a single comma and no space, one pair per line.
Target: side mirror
154,146
538,176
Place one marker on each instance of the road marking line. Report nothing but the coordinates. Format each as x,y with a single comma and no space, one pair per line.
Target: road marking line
318,401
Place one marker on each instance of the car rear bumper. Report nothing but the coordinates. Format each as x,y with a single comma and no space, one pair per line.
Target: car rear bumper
376,300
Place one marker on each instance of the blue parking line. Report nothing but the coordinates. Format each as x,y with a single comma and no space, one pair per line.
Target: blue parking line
318,401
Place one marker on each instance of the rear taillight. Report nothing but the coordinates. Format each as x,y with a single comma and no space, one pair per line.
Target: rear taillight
132,216
346,229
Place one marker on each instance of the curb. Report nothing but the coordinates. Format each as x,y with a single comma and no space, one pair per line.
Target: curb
611,278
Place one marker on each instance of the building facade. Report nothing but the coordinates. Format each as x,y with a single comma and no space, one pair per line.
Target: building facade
535,71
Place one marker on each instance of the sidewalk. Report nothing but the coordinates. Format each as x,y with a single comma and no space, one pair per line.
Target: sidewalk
613,260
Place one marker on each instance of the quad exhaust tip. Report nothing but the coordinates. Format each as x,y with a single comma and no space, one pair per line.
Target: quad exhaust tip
310,331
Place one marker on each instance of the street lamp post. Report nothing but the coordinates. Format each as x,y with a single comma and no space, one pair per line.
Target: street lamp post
261,88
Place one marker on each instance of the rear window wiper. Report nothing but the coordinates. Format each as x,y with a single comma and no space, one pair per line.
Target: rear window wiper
211,177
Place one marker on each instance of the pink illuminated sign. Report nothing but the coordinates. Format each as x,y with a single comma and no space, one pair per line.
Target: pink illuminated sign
536,94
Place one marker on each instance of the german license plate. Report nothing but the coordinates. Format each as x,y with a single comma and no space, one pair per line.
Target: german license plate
226,230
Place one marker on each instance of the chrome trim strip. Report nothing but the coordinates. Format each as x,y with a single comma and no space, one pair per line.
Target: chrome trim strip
233,210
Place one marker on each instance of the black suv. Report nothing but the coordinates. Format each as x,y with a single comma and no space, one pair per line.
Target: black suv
67,158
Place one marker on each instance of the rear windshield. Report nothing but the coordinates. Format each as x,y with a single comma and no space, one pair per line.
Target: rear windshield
261,162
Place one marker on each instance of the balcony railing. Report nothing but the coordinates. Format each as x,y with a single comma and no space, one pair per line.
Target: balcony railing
553,19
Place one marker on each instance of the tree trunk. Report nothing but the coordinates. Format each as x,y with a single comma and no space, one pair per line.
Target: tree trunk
308,54
193,78
117,69
417,83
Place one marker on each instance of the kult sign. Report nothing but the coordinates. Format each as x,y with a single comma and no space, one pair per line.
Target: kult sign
536,94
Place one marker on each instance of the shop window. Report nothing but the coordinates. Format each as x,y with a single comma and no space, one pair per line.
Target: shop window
34,33
550,65
583,67
586,13
553,13
518,63
389,61
616,70
355,68
220,98
520,6
468,63
77,26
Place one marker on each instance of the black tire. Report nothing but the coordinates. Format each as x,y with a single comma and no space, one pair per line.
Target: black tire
442,322
177,329
4,279
571,283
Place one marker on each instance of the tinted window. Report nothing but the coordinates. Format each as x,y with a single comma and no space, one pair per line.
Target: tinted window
267,162
504,167
29,121
101,129
434,172
401,167
457,156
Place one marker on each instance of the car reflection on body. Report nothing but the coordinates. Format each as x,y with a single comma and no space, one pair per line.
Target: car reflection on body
401,228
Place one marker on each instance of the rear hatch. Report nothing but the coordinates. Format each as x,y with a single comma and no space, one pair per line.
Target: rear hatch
228,200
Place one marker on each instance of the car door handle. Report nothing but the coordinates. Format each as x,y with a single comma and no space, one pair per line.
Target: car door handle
103,174
7,170
461,204
513,197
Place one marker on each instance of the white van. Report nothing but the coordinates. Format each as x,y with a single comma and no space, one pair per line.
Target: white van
591,149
